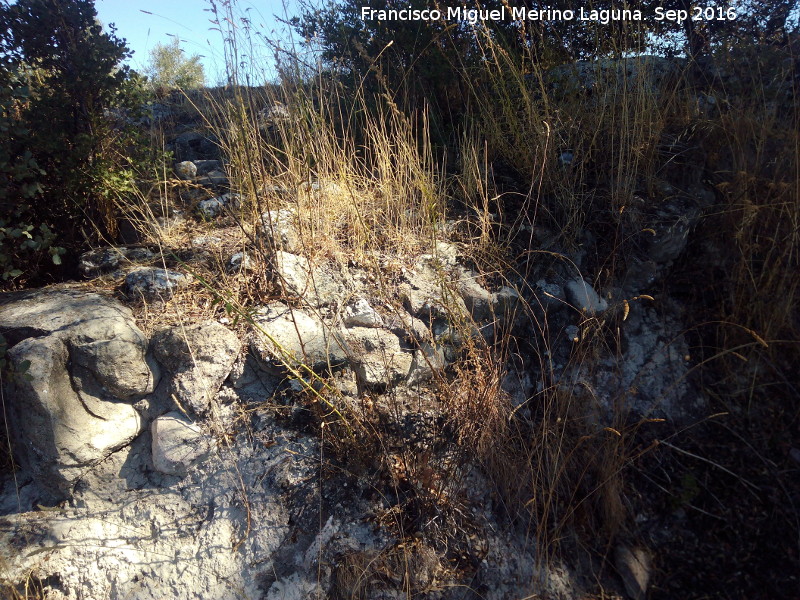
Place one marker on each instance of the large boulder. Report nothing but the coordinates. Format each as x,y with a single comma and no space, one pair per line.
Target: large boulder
199,358
287,336
81,362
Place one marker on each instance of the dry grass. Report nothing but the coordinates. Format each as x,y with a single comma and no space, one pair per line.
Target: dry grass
364,184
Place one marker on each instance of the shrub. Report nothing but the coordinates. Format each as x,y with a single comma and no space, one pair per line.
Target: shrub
169,68
62,157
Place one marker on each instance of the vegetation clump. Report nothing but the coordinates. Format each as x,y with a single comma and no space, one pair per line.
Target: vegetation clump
65,158
170,69
652,167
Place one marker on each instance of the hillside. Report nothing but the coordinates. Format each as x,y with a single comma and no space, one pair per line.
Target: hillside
536,338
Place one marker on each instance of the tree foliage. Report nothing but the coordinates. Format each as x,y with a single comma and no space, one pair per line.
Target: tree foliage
62,166
170,68
421,51
449,65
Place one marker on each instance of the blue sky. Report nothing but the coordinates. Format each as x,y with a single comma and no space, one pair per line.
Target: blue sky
144,23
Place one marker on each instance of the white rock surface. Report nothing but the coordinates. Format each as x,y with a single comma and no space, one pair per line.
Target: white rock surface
279,227
177,444
316,285
359,313
428,361
213,207
240,261
85,360
150,283
295,336
376,357
186,169
478,300
584,298
198,358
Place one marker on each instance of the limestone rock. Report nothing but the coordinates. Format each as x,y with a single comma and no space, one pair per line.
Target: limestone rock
376,357
85,357
204,167
240,261
186,170
95,263
60,431
194,145
427,296
519,386
549,296
279,227
213,207
582,296
150,283
478,300
285,335
427,362
408,328
634,567
203,241
273,116
314,284
506,301
610,76
199,358
444,254
214,178
177,444
359,313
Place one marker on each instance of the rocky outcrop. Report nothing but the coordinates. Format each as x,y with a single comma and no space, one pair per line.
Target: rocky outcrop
193,145
213,207
110,260
186,170
80,362
198,358
584,298
609,76
280,230
317,285
290,337
376,357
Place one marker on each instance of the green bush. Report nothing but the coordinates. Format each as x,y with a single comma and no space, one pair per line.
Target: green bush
64,157
21,242
169,68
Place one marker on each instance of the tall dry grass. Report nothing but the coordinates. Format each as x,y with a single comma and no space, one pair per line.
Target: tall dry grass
363,180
